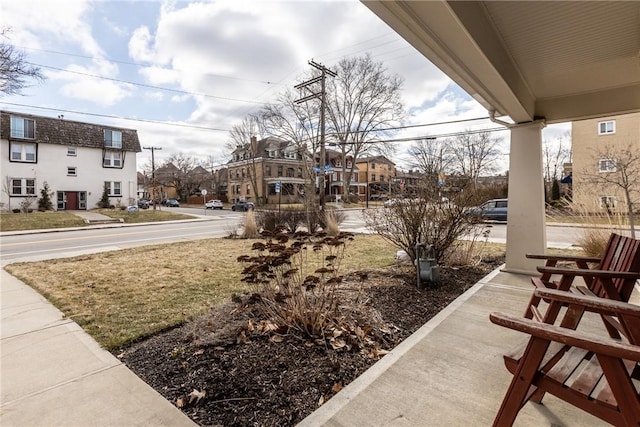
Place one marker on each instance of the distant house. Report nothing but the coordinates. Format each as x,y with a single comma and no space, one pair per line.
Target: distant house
266,171
595,145
77,160
378,174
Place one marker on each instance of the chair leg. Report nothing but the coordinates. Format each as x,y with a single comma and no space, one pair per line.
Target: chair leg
521,382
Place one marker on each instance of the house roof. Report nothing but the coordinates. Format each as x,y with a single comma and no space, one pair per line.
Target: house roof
381,159
67,132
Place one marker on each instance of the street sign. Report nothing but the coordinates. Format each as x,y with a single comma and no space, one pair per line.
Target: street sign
316,169
277,186
203,192
327,167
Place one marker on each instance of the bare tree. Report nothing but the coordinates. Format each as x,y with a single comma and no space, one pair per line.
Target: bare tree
624,175
6,188
475,154
554,156
431,156
298,124
183,180
15,71
241,134
362,100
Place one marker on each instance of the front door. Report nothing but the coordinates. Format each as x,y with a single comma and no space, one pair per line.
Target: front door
72,200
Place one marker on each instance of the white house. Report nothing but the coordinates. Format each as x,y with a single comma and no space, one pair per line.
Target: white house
75,159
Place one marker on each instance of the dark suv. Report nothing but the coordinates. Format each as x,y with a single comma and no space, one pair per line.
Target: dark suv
172,203
495,209
242,206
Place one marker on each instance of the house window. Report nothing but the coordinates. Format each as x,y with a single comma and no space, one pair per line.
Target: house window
243,173
280,170
248,189
23,128
290,172
373,165
273,153
112,159
381,178
373,177
114,188
267,170
349,164
290,155
23,152
607,165
72,171
71,151
113,139
607,127
608,202
23,186
299,172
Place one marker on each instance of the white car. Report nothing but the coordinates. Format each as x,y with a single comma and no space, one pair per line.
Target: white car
213,204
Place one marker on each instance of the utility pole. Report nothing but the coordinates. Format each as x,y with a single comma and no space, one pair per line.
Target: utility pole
153,174
322,97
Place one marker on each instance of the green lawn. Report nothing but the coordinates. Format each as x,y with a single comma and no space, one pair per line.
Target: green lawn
38,220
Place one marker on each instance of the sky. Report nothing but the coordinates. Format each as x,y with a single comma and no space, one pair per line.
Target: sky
182,73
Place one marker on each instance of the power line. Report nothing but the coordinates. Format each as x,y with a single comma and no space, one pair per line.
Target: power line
118,61
144,85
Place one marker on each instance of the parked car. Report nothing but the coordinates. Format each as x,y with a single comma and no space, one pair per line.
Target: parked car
143,204
172,203
213,204
242,206
494,209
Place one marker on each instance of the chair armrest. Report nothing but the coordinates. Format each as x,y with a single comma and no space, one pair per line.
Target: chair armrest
589,342
590,302
611,274
563,257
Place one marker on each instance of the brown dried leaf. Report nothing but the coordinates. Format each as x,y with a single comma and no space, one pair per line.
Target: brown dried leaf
321,401
196,395
180,402
199,352
277,338
337,344
336,387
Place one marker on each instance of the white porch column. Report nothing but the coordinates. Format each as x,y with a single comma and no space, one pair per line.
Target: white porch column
526,223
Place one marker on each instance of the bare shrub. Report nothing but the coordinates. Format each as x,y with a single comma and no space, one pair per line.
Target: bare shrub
470,251
296,280
426,219
331,220
250,230
599,224
272,220
26,202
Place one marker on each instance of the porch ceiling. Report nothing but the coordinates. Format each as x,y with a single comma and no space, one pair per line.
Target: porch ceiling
558,60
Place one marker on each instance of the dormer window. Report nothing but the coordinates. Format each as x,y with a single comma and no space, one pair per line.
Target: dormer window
113,139
349,164
290,155
23,128
273,153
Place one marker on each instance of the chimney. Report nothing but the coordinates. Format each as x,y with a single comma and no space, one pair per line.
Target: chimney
254,146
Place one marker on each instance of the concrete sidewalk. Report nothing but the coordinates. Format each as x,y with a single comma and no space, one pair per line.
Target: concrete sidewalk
54,374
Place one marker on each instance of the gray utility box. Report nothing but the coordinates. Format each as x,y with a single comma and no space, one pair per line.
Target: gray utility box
427,269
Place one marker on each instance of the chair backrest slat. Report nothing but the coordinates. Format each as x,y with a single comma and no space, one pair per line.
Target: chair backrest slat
621,254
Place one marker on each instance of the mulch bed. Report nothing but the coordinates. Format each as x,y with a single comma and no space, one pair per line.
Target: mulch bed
222,369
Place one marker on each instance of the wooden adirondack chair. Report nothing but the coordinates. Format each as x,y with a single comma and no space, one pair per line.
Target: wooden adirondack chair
592,372
614,278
